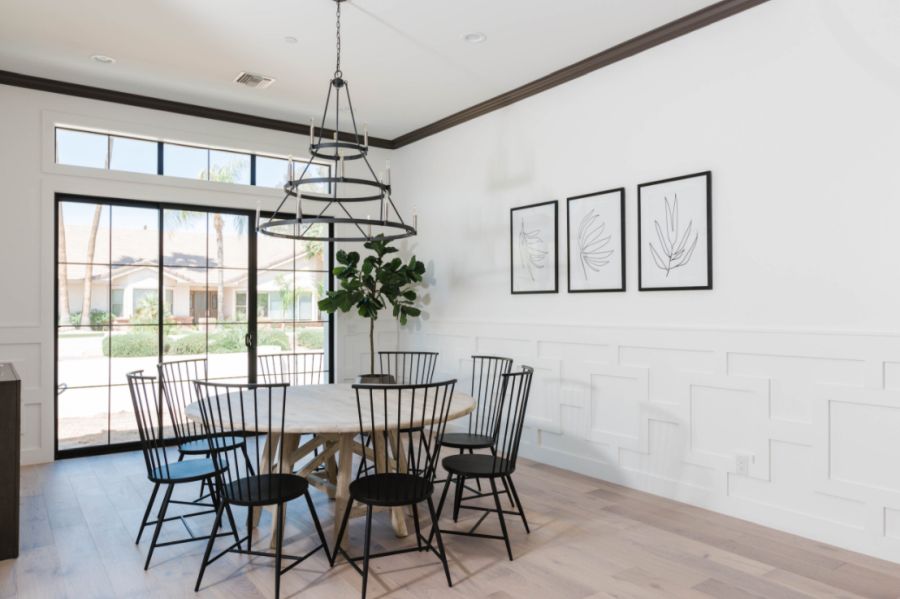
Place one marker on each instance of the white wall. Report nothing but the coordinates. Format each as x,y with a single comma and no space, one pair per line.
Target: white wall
793,357
30,182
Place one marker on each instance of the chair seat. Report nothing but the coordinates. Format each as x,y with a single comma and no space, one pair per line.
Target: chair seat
477,465
184,472
201,446
265,489
466,441
391,489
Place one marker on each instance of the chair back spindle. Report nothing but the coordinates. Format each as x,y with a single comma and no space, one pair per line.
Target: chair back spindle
238,410
406,423
148,414
301,368
511,419
177,382
487,389
408,367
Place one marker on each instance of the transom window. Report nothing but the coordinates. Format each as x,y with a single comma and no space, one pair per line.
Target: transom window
92,149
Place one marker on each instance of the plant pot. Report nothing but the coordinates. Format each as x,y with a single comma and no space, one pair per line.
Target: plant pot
376,379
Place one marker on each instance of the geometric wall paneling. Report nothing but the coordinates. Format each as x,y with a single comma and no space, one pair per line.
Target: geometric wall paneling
891,375
729,416
792,376
518,349
544,402
664,460
665,410
854,464
619,398
573,352
683,357
666,364
793,487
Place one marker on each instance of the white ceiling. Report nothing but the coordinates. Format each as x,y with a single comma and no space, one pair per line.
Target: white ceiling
405,59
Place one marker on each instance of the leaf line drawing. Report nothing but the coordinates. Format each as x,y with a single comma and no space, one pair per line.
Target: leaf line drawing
675,249
532,252
591,243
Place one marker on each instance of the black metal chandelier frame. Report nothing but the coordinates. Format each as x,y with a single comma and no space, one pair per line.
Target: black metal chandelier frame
389,225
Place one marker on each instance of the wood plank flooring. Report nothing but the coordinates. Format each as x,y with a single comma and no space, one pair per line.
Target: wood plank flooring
590,539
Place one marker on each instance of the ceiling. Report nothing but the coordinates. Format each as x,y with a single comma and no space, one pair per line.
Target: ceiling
406,60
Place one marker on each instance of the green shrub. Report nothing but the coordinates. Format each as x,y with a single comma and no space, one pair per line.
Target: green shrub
274,337
311,338
99,319
189,345
227,341
134,344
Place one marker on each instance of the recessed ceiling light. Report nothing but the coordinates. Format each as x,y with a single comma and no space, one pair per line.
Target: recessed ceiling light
290,39
103,59
474,37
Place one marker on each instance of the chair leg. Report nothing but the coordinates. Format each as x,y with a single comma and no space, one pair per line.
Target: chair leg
247,457
368,540
460,486
315,519
415,517
232,522
209,546
147,512
477,480
340,535
249,528
518,503
440,541
500,515
159,522
440,507
279,541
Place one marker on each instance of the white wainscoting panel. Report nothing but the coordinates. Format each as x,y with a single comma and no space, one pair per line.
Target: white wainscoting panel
668,411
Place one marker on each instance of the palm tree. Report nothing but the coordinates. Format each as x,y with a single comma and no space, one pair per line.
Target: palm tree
64,316
89,267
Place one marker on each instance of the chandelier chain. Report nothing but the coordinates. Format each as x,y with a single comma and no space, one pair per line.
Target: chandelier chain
337,68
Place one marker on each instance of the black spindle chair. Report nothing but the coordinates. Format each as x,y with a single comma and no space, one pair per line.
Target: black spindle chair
408,367
260,409
405,423
500,463
148,413
404,368
301,368
177,378
487,387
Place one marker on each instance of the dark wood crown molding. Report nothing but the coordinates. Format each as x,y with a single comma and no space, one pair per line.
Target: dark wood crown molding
108,95
669,31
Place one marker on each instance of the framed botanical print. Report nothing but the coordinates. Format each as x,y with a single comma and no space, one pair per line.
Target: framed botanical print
596,241
675,233
534,248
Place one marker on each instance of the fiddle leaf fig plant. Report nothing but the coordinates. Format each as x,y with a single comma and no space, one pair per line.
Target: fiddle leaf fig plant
373,284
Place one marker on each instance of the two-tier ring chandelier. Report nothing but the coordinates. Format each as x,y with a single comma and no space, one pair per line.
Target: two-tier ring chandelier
337,194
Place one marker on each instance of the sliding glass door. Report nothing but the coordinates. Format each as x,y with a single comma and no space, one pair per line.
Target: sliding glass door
140,283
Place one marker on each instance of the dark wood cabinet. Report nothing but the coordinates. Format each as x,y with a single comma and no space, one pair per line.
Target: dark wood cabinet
10,424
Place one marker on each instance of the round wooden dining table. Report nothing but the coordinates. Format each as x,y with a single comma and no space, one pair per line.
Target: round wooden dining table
330,415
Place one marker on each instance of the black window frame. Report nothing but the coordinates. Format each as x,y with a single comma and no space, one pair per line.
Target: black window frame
252,268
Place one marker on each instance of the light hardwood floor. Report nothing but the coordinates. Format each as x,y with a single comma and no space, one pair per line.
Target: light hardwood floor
589,539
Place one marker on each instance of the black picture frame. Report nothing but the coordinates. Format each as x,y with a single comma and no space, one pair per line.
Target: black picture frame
642,286
621,245
555,244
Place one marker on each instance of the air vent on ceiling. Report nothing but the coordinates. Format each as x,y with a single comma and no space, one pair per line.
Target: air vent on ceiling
253,80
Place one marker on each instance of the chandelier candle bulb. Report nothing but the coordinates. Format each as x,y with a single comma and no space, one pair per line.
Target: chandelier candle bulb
312,131
257,214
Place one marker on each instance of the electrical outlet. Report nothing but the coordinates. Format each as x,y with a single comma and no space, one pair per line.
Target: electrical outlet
742,464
